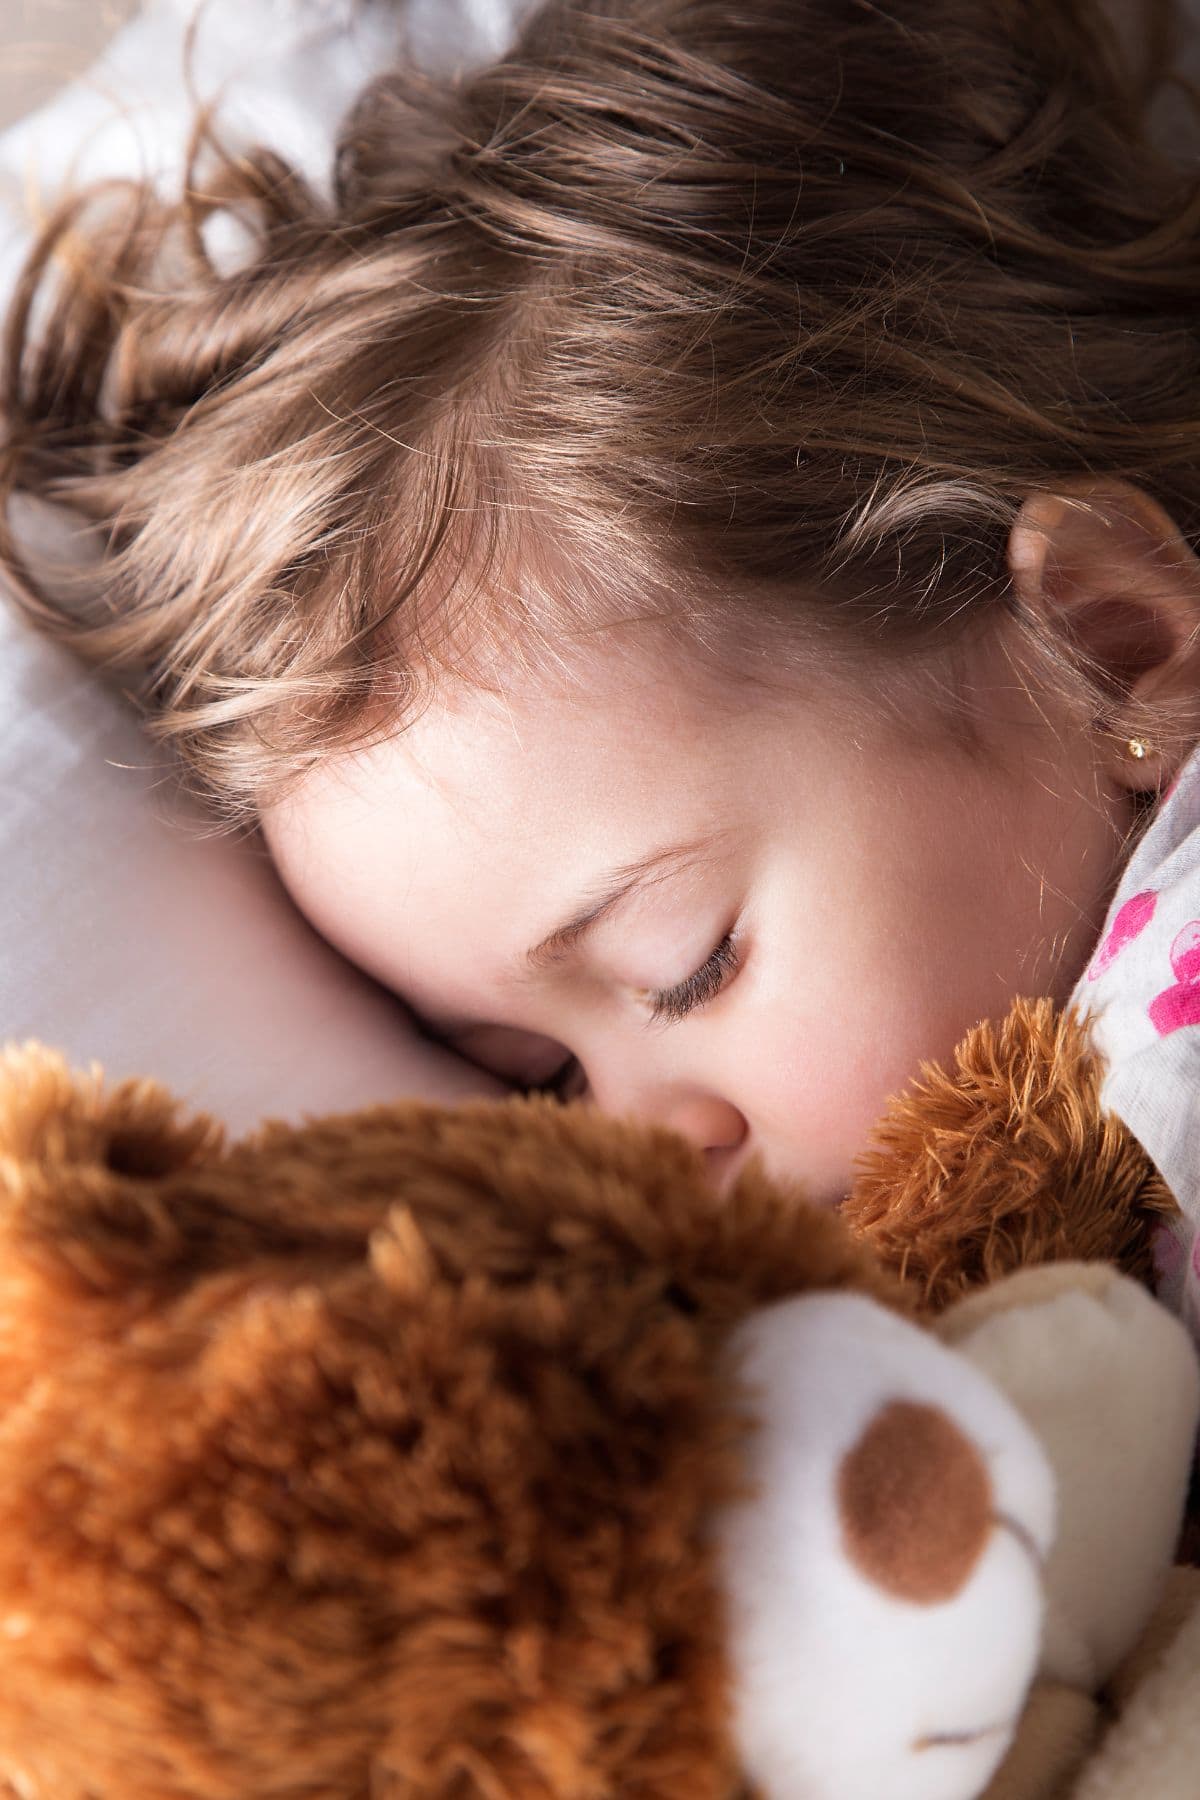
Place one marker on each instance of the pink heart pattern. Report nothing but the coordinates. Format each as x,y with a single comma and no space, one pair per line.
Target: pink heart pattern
1179,1005
1132,919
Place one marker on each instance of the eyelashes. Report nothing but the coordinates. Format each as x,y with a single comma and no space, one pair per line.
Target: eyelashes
668,1005
675,1003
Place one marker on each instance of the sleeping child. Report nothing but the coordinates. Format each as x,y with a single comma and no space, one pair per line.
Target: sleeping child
687,558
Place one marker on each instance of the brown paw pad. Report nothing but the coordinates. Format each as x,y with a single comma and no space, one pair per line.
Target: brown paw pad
915,1501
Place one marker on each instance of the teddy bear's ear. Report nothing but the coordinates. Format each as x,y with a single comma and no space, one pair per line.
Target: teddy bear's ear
78,1164
1006,1161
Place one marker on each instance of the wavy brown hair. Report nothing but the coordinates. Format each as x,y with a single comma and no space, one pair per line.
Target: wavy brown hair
759,319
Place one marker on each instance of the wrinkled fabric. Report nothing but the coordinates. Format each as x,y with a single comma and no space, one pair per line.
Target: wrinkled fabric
1141,992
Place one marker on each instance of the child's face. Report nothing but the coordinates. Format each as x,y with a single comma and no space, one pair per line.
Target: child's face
881,895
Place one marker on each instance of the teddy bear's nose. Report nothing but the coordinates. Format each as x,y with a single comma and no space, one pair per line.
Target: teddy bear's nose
916,1506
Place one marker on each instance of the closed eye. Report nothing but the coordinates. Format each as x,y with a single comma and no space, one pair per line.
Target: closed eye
675,1003
668,1004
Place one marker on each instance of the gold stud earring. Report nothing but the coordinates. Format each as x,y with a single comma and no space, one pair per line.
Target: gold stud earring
1137,748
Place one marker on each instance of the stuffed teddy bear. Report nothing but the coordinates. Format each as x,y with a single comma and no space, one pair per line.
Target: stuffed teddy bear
483,1453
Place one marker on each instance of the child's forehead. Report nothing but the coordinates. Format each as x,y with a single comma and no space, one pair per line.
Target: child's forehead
556,621
594,678
624,713
593,750
608,711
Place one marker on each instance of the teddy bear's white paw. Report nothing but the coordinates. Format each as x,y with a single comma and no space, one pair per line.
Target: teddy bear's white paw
884,1582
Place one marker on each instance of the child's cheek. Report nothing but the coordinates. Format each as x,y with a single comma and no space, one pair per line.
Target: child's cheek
816,1073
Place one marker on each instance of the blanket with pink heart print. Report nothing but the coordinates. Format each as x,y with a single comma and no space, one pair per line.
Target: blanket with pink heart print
1141,989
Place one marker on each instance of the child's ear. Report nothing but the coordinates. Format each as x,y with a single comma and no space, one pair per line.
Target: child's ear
1109,570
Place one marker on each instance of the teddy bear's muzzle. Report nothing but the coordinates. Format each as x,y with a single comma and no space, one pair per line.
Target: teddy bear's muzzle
885,1577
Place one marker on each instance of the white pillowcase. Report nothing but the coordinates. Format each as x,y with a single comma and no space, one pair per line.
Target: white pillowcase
132,940
129,937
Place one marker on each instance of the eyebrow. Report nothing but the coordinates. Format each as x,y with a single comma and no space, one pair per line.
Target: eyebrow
561,943
614,886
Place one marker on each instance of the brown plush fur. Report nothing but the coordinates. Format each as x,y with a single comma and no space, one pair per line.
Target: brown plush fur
374,1457
1005,1161
371,1456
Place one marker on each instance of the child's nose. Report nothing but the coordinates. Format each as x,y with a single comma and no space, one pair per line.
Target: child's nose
715,1125
722,1164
